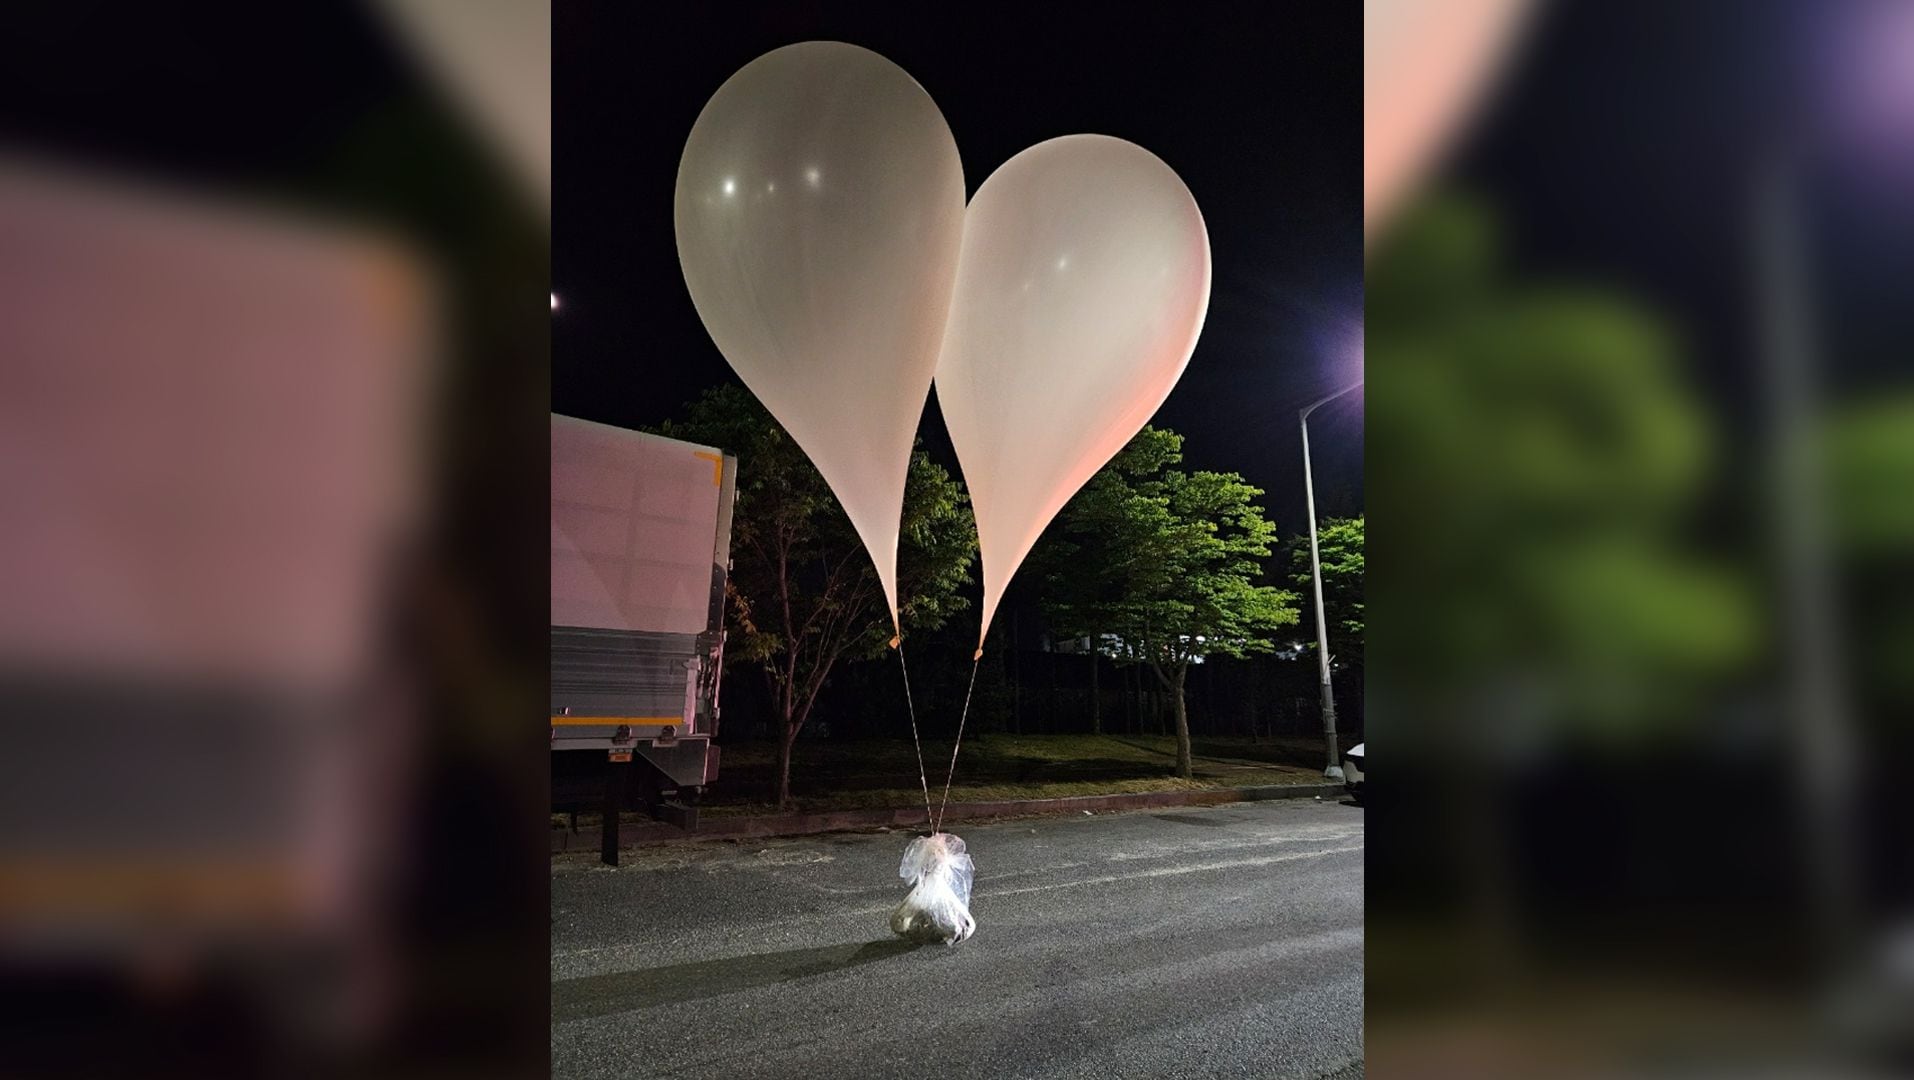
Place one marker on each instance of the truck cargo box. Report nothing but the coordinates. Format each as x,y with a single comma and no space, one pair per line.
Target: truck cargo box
641,540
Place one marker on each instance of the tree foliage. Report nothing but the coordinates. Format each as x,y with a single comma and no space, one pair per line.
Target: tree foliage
1868,455
1537,452
1339,545
1161,567
803,593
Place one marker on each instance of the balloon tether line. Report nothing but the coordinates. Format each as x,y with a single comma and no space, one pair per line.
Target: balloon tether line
923,779
937,824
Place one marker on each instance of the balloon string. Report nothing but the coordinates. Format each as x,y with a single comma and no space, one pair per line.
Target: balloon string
922,778
965,715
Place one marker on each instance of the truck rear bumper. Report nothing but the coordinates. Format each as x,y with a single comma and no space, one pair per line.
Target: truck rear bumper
687,760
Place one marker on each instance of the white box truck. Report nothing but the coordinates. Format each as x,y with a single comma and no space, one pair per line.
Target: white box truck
641,541
213,477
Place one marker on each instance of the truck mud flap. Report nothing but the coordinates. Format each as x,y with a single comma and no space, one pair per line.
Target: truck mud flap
686,760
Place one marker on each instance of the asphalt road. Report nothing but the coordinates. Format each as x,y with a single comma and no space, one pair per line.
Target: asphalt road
1223,941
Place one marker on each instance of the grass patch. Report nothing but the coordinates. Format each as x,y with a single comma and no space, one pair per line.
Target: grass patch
868,774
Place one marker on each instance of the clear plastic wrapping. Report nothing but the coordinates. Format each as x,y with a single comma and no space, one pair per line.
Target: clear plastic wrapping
938,908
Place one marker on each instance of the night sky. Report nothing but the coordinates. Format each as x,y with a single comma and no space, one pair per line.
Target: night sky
1621,152
1257,106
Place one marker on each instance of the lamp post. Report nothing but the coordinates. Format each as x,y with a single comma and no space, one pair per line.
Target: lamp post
1333,770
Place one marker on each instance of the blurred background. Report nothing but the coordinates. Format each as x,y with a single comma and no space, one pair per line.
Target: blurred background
1640,349
1640,423
273,397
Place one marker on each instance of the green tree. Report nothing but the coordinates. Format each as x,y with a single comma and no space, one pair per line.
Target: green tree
1160,567
1339,544
1535,460
1538,454
803,593
1868,457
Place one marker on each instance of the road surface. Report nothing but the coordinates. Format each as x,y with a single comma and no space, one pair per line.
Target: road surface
1222,941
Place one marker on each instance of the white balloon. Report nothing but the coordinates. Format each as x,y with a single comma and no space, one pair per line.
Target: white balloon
819,212
1082,287
1425,66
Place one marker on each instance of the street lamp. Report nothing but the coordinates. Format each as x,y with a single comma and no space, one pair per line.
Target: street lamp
1334,769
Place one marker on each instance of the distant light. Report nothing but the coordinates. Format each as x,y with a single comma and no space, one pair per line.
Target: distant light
1063,263
770,187
813,176
554,301
1868,58
730,186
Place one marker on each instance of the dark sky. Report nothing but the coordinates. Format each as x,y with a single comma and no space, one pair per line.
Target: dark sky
1257,107
1622,149
187,93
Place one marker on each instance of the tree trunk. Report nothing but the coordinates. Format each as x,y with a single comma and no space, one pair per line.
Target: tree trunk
787,692
1210,712
1096,698
1052,710
1183,768
1016,679
782,785
1129,702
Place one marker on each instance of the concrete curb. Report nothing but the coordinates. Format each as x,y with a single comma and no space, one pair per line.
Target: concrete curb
737,828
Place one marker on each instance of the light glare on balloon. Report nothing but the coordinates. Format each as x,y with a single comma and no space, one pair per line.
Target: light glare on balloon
831,311
1038,397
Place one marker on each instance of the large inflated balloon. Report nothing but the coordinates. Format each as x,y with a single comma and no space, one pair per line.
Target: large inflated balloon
1425,65
1081,290
819,211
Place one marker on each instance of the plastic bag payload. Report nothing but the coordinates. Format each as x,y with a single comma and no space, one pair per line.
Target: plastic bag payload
938,907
